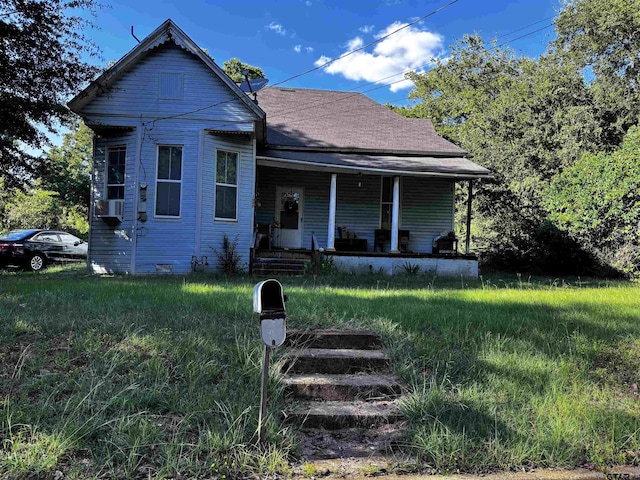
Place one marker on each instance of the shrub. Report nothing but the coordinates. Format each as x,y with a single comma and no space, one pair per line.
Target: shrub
228,258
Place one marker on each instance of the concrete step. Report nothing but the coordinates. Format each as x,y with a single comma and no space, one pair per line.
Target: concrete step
268,272
336,360
279,253
321,444
278,266
342,387
336,415
352,339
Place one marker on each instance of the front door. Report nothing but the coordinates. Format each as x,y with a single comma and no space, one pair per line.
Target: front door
289,208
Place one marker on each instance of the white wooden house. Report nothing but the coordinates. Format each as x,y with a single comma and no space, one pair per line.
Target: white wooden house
183,157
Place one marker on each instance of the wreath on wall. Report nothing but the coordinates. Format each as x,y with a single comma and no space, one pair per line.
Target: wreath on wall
290,203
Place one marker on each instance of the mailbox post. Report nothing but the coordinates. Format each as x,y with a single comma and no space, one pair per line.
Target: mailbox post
268,302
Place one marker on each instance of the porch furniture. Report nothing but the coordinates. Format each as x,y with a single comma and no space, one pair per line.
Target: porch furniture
351,244
263,236
383,235
446,245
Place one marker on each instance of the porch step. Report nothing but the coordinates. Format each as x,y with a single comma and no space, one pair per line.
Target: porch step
335,415
278,266
279,253
341,387
339,390
344,339
336,361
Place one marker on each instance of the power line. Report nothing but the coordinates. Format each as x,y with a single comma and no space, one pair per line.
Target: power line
502,44
524,28
308,106
526,35
351,52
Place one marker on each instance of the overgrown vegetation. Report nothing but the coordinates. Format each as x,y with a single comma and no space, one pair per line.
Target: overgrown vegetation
528,120
137,377
229,259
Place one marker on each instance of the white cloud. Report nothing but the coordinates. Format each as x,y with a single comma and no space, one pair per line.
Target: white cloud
409,49
278,28
300,48
308,3
366,28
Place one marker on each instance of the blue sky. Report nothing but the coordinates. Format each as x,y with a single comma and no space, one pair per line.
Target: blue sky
289,37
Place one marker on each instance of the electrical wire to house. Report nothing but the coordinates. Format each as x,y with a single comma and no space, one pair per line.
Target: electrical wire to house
302,108
363,47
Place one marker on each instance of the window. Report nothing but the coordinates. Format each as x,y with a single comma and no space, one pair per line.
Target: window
226,185
116,163
386,203
169,181
47,237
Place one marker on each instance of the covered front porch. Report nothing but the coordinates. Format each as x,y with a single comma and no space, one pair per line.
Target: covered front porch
361,219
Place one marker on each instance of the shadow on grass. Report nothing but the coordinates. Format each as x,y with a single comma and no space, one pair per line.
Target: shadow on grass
186,351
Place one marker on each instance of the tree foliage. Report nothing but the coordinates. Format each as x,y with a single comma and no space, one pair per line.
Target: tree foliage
59,197
603,37
523,119
597,199
235,68
67,168
42,53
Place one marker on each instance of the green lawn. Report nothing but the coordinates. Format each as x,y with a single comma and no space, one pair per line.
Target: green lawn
154,376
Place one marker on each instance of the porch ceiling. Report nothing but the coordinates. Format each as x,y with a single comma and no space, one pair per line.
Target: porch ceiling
450,167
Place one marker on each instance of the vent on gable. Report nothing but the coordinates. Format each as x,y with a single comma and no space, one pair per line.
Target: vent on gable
171,86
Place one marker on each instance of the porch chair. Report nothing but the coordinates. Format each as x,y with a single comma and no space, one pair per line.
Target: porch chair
263,236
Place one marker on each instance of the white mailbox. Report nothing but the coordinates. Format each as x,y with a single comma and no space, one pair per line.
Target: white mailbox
268,302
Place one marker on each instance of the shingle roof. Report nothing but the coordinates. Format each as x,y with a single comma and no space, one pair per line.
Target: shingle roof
411,165
345,121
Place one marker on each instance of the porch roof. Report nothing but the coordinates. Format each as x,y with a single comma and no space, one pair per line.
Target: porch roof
448,167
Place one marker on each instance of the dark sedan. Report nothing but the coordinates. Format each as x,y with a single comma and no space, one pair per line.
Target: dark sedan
34,249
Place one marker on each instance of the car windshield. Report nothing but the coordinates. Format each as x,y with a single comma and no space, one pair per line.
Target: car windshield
16,235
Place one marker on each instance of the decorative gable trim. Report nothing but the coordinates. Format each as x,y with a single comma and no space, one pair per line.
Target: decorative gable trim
166,32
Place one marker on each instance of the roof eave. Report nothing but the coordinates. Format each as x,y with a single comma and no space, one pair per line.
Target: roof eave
365,151
303,165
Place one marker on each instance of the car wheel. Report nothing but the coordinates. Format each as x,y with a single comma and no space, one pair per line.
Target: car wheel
36,262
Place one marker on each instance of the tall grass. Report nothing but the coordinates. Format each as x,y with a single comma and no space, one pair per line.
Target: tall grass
138,377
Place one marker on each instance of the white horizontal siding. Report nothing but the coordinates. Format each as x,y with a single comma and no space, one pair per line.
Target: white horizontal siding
212,230
427,211
110,245
164,240
426,204
137,93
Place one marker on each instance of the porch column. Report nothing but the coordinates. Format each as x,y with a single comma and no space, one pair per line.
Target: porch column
395,215
331,233
467,241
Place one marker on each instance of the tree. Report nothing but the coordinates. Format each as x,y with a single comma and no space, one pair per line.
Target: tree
603,38
597,200
42,55
235,68
61,190
525,120
67,168
34,209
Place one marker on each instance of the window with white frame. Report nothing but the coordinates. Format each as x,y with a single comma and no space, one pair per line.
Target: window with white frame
116,165
169,181
226,207
386,203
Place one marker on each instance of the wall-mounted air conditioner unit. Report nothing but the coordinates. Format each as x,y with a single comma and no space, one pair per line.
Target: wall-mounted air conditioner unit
109,210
